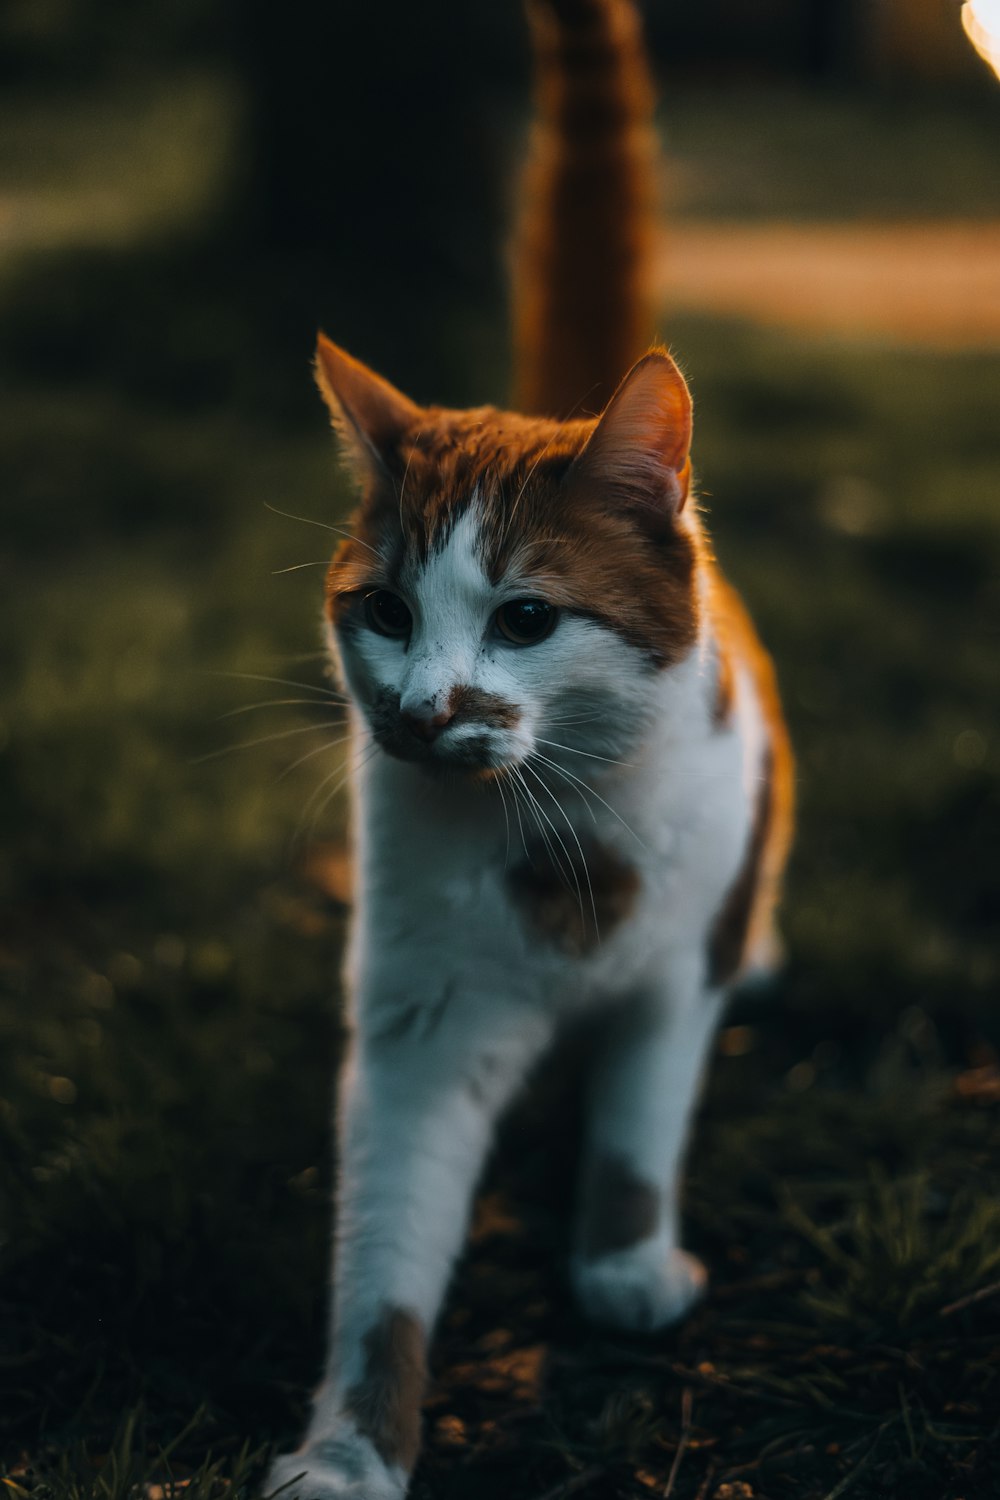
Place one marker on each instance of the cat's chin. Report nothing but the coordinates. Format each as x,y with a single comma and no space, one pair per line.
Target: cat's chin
463,774
456,764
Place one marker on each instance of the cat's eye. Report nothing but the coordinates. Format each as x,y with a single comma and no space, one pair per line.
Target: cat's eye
525,621
387,613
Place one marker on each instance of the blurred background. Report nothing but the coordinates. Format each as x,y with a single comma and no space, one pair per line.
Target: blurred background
187,191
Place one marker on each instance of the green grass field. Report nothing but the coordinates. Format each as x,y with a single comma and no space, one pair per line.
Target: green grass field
169,1022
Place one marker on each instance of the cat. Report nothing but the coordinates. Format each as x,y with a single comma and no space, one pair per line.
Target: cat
574,785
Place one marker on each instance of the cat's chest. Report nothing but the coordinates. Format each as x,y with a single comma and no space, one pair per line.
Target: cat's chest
566,891
572,897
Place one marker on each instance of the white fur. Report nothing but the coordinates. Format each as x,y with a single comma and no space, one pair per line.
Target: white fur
454,998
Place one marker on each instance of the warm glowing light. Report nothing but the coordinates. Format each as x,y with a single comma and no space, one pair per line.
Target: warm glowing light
981,20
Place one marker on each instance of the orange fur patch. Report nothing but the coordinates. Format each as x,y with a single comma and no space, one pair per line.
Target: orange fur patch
727,944
737,640
619,1210
557,906
725,689
385,1403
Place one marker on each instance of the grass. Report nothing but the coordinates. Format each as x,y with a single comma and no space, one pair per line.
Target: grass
169,1022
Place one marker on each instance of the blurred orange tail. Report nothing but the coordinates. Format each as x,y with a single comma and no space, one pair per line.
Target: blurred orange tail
582,305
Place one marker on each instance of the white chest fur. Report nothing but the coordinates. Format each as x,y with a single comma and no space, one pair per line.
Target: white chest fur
437,862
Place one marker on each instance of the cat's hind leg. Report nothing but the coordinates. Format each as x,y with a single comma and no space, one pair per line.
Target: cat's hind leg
628,1267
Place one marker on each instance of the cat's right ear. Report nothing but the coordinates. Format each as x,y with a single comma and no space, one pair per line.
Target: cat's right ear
369,415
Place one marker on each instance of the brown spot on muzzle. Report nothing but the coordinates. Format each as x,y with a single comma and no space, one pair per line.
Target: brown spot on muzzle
470,705
385,1403
473,753
619,1208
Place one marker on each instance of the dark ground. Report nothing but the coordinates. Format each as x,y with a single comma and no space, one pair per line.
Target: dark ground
167,1029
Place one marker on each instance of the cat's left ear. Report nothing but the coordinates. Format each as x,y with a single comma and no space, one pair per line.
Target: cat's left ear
370,416
638,454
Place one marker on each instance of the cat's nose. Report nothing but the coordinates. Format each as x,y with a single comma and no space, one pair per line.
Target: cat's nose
427,725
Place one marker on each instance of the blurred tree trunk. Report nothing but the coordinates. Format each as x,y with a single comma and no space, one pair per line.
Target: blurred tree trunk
375,162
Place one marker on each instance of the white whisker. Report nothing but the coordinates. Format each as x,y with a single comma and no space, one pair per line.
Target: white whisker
517,810
310,521
329,745
541,814
573,782
588,753
579,849
406,475
568,775
247,708
496,781
582,719
302,656
530,807
361,760
307,687
264,739
311,799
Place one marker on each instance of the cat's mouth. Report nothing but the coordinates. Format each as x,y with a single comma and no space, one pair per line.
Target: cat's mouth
472,756
462,741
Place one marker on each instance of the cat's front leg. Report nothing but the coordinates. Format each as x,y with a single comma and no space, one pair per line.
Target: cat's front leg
628,1267
419,1097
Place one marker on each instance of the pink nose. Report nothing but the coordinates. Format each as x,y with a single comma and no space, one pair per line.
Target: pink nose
427,727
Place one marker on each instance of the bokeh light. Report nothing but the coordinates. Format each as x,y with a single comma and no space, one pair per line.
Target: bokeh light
981,22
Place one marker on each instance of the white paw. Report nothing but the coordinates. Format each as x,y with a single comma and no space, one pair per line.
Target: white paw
640,1289
344,1468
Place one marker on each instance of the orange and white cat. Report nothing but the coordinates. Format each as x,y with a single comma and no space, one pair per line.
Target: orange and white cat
578,796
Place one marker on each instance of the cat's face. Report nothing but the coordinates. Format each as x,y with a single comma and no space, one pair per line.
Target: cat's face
513,586
459,670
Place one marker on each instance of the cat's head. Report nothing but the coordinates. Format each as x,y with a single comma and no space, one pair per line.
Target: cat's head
512,585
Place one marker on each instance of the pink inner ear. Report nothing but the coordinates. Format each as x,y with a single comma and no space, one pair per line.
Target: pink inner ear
641,444
368,412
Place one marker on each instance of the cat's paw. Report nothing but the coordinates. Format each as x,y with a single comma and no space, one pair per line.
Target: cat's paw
342,1468
640,1289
